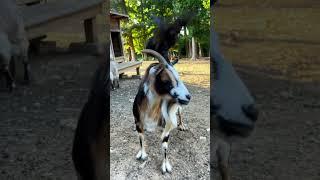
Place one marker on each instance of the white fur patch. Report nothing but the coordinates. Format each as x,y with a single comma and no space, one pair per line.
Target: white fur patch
164,145
166,166
142,154
111,76
173,114
181,90
150,96
164,110
150,124
174,72
145,88
152,70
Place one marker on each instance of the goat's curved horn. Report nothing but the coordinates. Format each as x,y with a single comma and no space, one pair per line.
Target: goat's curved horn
157,55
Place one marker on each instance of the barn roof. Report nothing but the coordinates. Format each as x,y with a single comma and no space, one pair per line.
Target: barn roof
118,9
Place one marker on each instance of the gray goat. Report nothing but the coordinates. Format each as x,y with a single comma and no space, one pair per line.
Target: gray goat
13,42
114,74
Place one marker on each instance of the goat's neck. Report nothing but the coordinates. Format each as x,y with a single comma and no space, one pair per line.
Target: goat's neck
169,113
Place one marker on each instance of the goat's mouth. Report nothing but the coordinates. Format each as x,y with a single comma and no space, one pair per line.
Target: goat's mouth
183,102
231,128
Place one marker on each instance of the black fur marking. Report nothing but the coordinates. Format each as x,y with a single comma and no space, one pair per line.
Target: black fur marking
166,35
165,139
138,127
140,141
138,100
163,87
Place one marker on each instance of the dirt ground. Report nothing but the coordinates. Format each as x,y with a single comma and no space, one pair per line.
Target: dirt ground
284,79
37,122
188,150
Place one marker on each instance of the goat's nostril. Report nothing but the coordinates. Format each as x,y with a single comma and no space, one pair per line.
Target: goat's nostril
251,111
188,97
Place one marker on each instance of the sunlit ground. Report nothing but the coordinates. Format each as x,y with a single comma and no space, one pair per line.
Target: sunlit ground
191,72
298,62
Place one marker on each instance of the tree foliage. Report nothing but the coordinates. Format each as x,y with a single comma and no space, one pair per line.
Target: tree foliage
141,20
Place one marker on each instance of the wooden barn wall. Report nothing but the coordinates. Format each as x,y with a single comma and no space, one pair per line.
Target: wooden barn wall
114,24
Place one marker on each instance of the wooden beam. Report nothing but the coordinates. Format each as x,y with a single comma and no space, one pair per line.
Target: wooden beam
55,24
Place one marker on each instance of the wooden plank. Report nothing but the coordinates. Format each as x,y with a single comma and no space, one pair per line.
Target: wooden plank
42,13
114,24
271,3
286,23
55,24
24,2
127,66
120,59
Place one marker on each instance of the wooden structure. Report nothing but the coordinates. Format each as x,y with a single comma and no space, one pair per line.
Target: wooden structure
43,16
118,13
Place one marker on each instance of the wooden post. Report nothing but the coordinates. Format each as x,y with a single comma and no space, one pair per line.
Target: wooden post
91,30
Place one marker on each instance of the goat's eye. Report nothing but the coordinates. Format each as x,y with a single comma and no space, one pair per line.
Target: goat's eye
168,84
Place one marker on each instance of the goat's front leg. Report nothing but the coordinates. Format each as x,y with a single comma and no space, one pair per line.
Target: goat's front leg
142,155
166,166
26,70
181,125
9,79
223,155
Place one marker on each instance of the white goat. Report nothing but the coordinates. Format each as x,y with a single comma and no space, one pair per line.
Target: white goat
114,75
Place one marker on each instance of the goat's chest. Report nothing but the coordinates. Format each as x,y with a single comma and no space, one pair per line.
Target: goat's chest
153,116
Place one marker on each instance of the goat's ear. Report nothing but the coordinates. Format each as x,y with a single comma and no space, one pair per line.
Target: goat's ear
175,61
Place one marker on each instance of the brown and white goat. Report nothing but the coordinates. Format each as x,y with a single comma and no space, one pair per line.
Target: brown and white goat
160,95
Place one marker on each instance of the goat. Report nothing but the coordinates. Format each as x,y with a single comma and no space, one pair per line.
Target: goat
160,94
114,75
166,35
89,146
13,42
232,108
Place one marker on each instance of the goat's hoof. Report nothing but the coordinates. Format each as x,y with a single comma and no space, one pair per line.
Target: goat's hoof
166,167
141,156
182,127
11,87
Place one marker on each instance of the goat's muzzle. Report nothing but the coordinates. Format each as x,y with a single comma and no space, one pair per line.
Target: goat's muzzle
184,101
